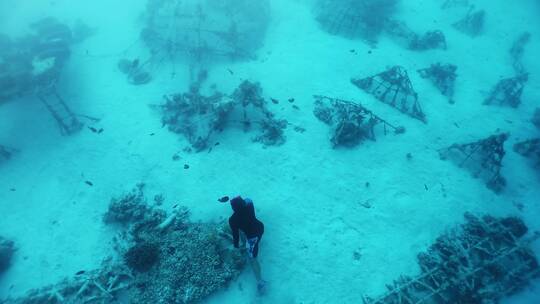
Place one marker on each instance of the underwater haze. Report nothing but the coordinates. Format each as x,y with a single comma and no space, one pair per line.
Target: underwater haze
390,147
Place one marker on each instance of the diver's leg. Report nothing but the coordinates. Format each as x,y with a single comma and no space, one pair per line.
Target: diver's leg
256,269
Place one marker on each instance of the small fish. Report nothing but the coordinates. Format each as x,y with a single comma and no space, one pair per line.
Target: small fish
217,143
89,183
100,130
176,205
223,199
209,149
80,272
291,100
186,166
455,124
230,71
274,101
12,189
425,186
352,50
152,134
296,107
92,129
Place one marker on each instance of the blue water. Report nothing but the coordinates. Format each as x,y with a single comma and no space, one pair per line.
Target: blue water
340,222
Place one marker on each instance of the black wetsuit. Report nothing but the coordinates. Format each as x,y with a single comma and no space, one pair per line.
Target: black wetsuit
244,219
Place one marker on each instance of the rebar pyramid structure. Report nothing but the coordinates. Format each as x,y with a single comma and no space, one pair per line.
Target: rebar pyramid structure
394,88
507,92
482,261
473,23
350,122
530,149
443,76
483,158
65,118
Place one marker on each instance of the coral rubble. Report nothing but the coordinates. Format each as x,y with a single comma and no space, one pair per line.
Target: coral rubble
394,88
350,122
159,258
482,261
198,117
483,158
443,76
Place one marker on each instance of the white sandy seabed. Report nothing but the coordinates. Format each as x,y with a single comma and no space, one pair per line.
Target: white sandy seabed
307,193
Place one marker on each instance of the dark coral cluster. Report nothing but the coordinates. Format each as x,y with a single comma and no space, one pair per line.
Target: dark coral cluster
199,117
142,256
350,123
481,261
7,249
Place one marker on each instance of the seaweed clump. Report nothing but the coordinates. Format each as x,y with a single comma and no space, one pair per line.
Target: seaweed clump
350,123
483,158
394,88
443,76
482,261
199,117
7,249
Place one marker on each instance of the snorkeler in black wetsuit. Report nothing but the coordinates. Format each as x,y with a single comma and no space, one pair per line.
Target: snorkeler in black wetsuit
243,219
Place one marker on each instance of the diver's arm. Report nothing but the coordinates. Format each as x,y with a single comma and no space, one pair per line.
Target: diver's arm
251,208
